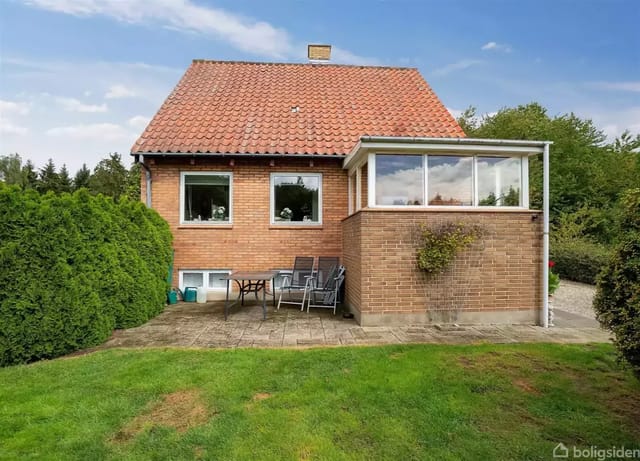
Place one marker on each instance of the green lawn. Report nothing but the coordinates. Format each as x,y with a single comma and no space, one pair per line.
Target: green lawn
397,402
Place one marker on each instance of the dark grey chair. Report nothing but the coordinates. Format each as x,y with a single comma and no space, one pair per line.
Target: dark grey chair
324,288
298,281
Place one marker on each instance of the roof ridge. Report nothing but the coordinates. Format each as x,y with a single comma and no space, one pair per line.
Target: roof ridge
316,64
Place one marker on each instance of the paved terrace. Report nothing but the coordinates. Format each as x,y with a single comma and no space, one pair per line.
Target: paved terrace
203,325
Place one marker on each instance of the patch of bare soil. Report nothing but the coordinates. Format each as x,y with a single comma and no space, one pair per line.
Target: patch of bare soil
526,386
179,410
261,396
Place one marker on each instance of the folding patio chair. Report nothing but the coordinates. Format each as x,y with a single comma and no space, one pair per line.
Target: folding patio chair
298,281
325,286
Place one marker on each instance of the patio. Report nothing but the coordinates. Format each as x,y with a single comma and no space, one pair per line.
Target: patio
203,325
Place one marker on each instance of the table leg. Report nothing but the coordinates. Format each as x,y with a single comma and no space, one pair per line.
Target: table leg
273,290
264,300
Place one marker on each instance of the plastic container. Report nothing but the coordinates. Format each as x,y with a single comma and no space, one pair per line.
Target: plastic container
202,295
190,294
172,296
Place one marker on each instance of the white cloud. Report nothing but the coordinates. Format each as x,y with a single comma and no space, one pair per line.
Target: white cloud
246,34
139,122
96,131
338,55
455,112
460,65
75,105
249,35
8,127
13,107
614,122
494,46
119,91
616,86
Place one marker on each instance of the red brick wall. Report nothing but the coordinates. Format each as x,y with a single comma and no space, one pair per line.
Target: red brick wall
250,242
499,273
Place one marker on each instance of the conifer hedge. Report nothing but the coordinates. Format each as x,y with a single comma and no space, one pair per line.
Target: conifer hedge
73,267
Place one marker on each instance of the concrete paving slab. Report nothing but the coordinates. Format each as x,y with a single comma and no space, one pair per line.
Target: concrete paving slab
203,325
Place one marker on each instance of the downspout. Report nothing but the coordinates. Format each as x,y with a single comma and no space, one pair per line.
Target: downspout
545,236
147,173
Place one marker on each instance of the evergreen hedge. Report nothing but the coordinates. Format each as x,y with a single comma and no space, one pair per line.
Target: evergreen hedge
579,260
73,267
617,300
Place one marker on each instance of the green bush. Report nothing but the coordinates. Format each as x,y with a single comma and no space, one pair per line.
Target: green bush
440,245
72,268
617,300
579,259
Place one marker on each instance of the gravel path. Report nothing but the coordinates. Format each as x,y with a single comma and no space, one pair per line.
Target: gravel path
575,297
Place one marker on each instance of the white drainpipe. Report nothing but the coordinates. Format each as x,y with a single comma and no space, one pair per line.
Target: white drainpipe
147,172
545,236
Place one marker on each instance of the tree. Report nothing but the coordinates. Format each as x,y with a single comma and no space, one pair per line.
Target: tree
11,170
109,177
49,180
81,179
133,182
30,175
64,181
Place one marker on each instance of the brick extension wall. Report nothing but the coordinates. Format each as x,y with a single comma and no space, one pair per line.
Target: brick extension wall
250,242
495,280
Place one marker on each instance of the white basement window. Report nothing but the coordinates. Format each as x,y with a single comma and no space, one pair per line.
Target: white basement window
296,198
205,197
208,278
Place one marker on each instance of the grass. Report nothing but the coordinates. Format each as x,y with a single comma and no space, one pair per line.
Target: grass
396,402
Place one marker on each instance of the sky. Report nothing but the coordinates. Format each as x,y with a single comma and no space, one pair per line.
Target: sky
81,78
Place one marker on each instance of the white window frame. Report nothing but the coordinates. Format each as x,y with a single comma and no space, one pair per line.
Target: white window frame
182,197
524,181
272,201
205,277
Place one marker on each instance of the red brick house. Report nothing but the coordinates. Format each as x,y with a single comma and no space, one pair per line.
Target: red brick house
254,163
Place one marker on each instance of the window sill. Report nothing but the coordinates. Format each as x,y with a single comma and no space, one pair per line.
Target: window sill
206,225
297,226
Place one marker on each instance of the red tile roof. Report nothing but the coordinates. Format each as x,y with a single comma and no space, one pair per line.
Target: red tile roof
243,107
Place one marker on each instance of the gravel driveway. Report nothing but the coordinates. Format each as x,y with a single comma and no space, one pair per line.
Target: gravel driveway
575,297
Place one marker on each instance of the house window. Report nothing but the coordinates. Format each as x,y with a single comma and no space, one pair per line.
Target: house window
450,180
197,278
499,181
399,180
206,197
447,180
296,198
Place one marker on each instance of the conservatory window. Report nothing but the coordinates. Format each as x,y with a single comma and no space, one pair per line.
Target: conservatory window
399,180
499,181
450,180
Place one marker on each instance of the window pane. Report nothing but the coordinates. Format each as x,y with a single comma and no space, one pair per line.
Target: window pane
499,181
399,180
449,181
296,198
206,197
192,279
214,281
